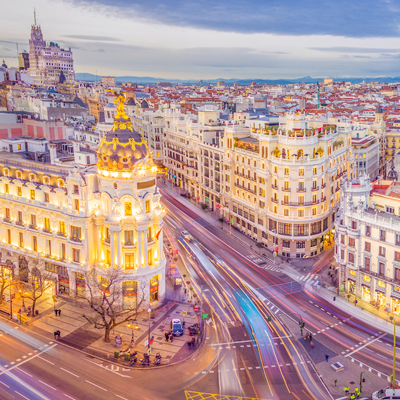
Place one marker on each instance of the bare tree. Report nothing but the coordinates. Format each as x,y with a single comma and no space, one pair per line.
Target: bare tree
38,281
5,280
105,297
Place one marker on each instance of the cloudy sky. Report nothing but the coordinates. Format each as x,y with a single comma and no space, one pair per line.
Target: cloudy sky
191,39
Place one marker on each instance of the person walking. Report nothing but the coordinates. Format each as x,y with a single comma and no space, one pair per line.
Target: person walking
166,334
311,344
171,337
326,357
310,337
193,341
59,312
55,312
55,335
346,389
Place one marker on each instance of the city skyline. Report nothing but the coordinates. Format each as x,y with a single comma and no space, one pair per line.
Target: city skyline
287,41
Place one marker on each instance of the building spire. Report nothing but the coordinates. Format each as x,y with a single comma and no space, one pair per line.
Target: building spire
34,15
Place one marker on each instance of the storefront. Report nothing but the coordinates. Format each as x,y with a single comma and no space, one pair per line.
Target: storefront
351,286
154,289
63,284
396,300
380,298
129,295
80,284
366,293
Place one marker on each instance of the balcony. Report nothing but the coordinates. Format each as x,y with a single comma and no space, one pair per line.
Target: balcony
382,239
301,190
274,200
299,204
286,189
245,188
20,223
32,226
274,187
323,199
323,186
46,230
62,234
315,188
8,220
107,240
129,244
75,239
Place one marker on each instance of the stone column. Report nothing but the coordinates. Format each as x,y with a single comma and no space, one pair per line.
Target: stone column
145,249
119,248
97,228
112,249
139,246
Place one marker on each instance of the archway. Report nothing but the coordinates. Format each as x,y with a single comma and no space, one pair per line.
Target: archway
23,269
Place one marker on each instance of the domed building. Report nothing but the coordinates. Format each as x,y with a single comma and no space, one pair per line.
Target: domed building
129,214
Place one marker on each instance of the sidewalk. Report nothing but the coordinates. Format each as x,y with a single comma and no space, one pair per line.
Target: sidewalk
77,332
363,310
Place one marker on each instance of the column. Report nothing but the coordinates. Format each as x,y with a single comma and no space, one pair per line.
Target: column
160,244
139,246
98,242
112,248
119,249
145,249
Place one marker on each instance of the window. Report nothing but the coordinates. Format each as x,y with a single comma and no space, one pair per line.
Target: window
6,188
33,221
382,235
284,229
301,172
62,227
275,170
19,174
21,239
129,260
286,244
8,236
62,255
397,256
75,232
6,171
367,263
352,242
47,198
60,182
368,231
47,224
76,256
367,246
351,258
34,243
314,242
353,225
32,177
342,254
314,211
390,210
76,189
147,205
150,257
381,268
32,194
46,180
19,191
342,239
300,213
316,228
286,212
48,247
128,237
300,245
314,171
397,274
286,171
300,230
128,208
382,251
76,204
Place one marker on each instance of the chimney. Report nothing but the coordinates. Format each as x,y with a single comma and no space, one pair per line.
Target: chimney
53,153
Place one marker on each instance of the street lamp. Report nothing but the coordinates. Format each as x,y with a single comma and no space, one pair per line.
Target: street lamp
148,343
274,231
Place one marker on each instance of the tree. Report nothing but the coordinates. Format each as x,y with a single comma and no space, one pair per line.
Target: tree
222,221
38,281
204,206
5,280
260,245
104,295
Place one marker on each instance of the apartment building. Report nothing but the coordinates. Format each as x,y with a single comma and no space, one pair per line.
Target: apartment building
367,247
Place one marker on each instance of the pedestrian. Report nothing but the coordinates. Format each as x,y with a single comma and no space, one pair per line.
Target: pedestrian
55,335
189,344
326,357
346,389
357,390
166,336
59,312
171,337
59,334
311,344
352,397
55,311
310,337
193,341
307,337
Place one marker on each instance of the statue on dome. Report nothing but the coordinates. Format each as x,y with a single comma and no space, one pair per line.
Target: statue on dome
120,102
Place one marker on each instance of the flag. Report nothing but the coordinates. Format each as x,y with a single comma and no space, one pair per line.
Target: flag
158,234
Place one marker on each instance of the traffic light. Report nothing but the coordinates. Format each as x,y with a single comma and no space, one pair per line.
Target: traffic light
302,324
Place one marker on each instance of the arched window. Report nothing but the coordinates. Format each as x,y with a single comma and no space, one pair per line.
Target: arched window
32,177
60,182
19,174
6,172
46,180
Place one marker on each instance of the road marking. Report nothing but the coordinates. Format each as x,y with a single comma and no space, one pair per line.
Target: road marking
96,385
24,372
365,345
70,396
22,395
121,397
4,384
110,370
45,360
28,359
69,372
44,383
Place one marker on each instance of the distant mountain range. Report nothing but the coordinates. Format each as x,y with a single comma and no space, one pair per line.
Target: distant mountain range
307,79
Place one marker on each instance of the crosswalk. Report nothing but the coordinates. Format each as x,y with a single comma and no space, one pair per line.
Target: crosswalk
347,398
264,264
309,278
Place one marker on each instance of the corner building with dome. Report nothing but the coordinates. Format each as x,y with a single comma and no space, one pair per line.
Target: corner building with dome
68,220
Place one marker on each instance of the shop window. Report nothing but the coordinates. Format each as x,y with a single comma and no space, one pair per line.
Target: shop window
301,245
154,286
128,208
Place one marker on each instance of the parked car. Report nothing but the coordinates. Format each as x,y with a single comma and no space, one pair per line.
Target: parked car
176,327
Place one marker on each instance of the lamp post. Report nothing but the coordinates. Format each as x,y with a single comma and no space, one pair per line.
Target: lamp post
394,357
148,343
274,231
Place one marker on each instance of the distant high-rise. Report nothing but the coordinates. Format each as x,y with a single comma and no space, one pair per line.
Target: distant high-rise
48,60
